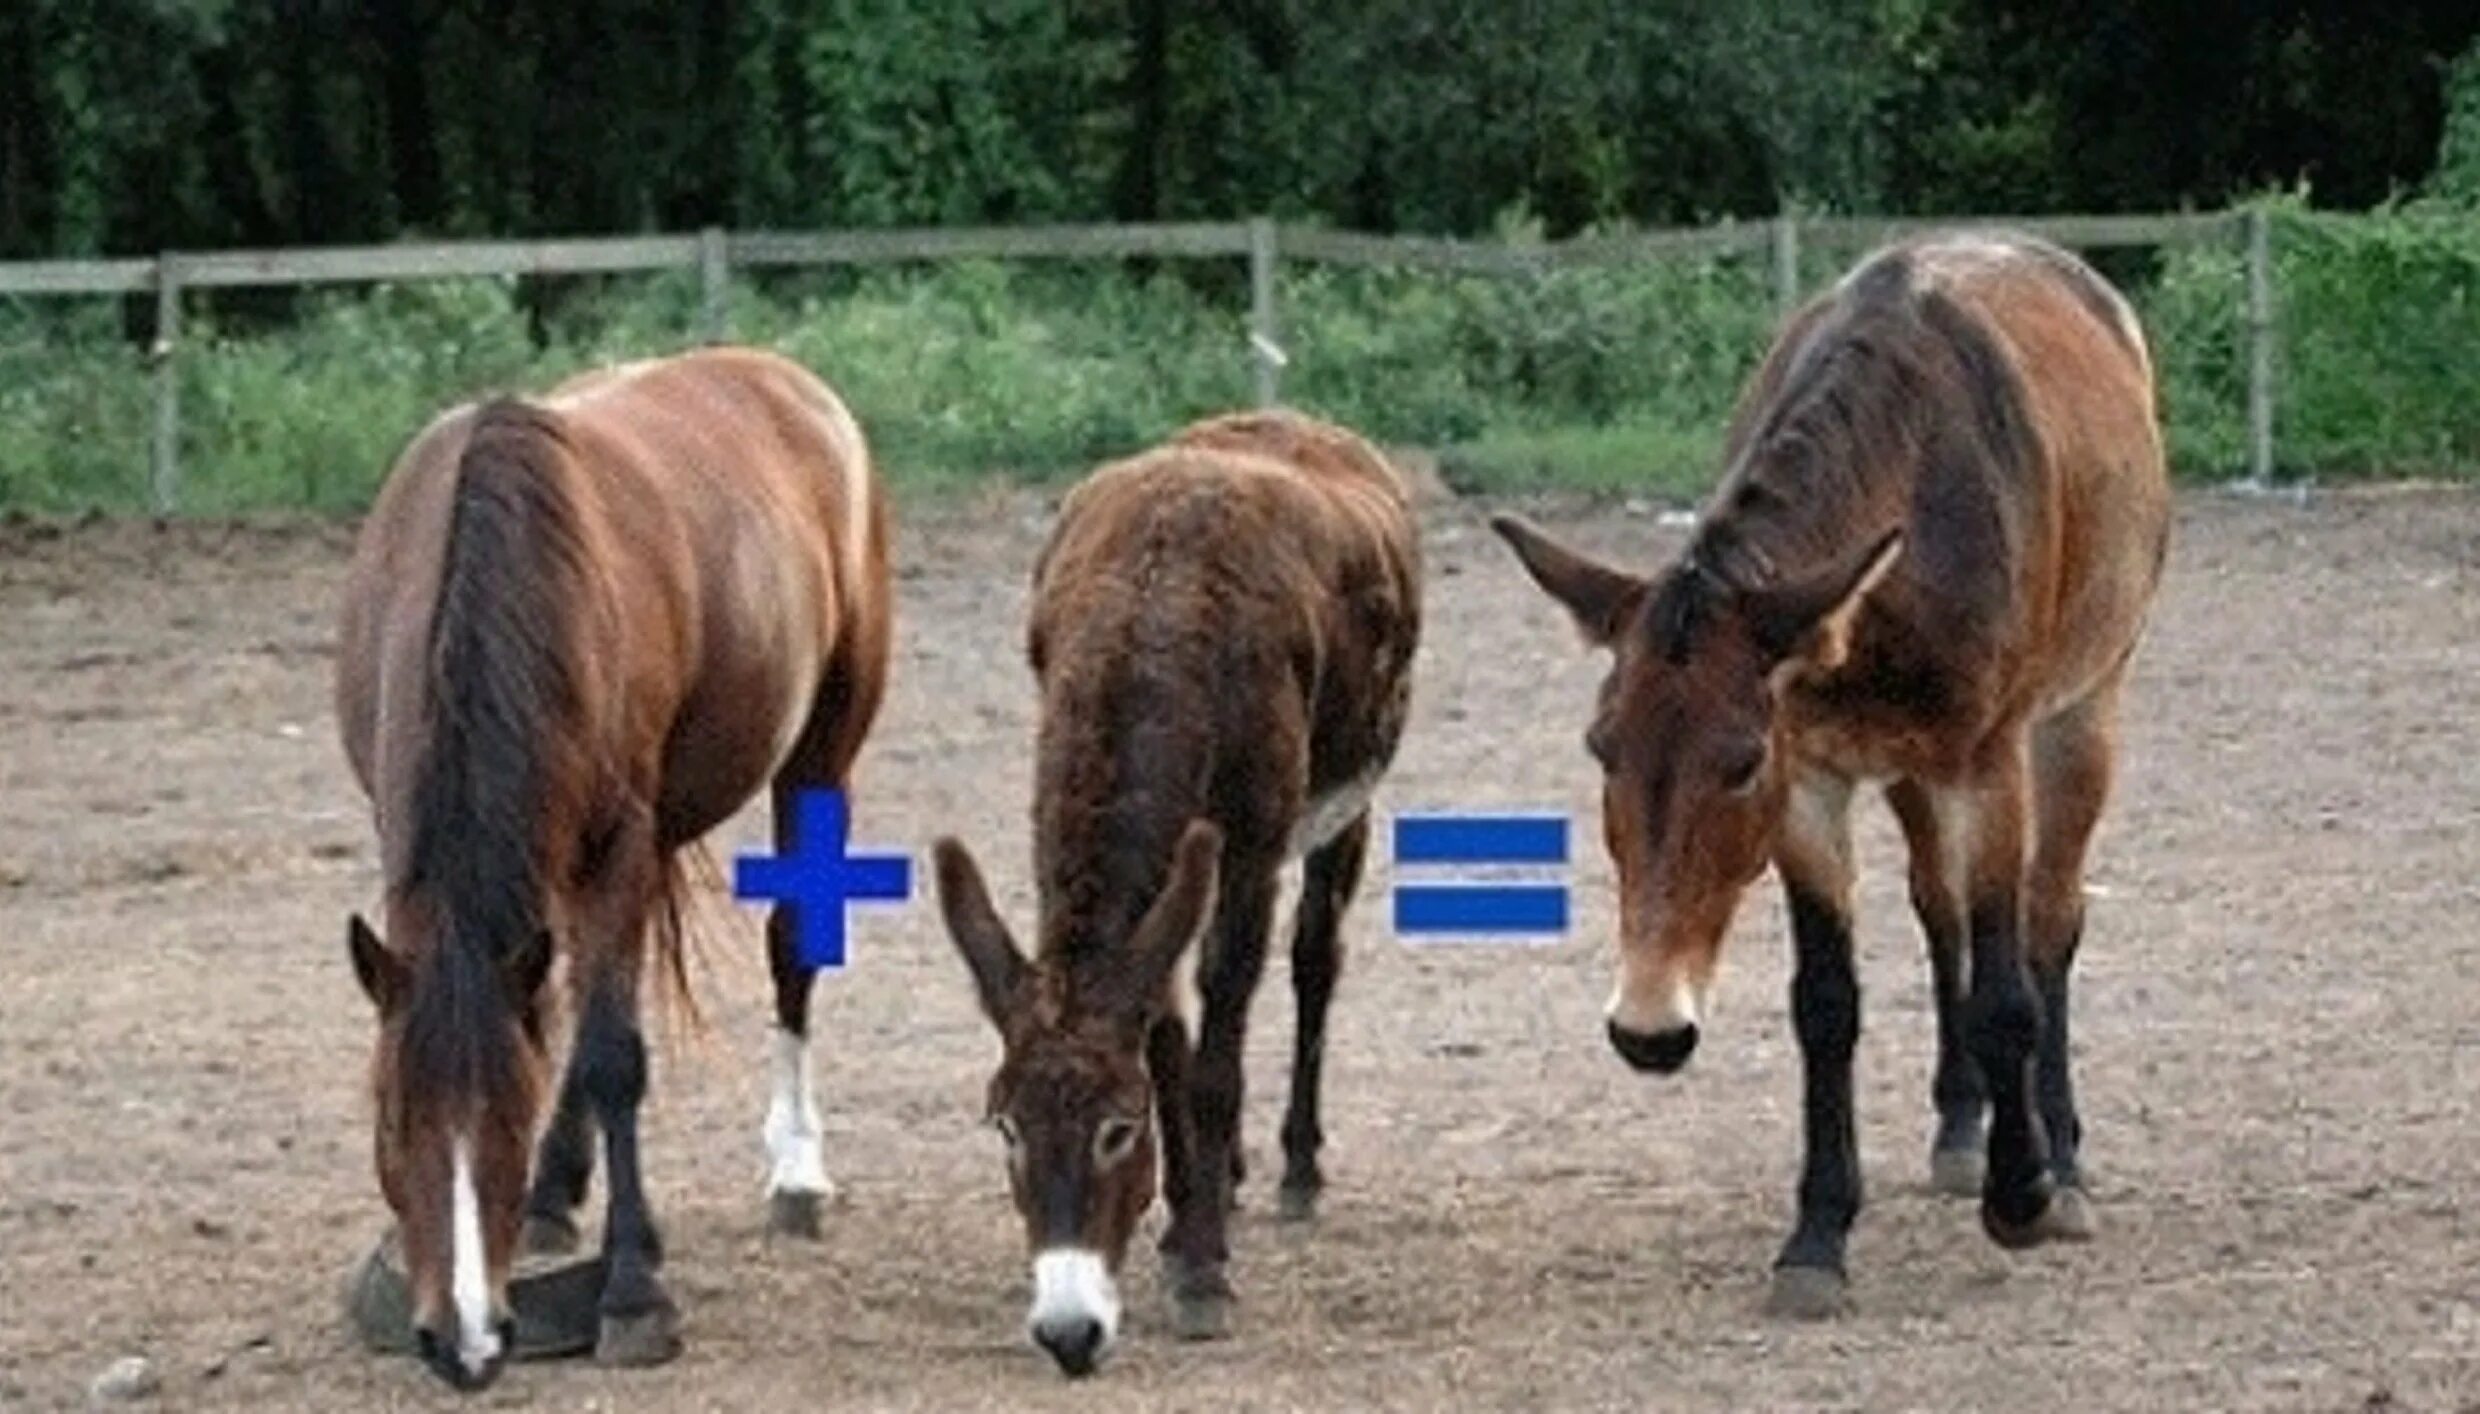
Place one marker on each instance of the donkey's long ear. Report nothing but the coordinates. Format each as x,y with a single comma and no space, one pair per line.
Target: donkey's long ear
1808,621
1600,596
1171,926
382,973
999,970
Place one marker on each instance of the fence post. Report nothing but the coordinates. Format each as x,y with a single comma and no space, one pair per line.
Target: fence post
1786,263
714,286
1262,334
2260,328
163,353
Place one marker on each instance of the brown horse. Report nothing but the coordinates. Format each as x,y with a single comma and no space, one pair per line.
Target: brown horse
579,633
1223,629
1927,564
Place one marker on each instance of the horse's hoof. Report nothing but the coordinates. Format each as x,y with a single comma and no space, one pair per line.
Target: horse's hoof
639,1339
548,1235
1807,1294
2029,1225
1957,1173
795,1213
1296,1203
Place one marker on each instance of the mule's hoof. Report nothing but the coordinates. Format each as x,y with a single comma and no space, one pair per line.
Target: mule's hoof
1296,1203
548,1235
1201,1315
1957,1173
1807,1294
2031,1223
795,1213
2070,1216
639,1339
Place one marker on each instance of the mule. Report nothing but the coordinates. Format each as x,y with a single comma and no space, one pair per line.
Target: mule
1927,564
1223,631
578,634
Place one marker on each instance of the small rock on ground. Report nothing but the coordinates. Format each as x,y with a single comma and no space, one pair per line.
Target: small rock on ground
129,1378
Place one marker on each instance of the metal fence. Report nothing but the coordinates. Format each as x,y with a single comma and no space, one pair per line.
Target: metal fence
715,254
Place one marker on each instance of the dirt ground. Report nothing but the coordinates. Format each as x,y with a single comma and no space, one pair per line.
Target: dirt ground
2279,1034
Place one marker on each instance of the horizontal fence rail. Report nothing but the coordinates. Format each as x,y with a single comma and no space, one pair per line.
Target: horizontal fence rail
714,254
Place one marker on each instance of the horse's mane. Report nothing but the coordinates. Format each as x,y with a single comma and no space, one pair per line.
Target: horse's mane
502,692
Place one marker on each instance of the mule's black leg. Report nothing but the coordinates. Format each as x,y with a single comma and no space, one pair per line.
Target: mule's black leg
2002,1018
1814,859
638,1319
1235,958
1956,1090
563,1165
1329,877
2072,759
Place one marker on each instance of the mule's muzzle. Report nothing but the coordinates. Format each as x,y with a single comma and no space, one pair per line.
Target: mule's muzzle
1661,1052
439,1352
1074,1341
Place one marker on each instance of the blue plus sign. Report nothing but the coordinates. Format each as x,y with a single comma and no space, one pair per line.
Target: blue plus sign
816,878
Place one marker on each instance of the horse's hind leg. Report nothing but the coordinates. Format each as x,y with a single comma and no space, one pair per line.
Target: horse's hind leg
1328,879
797,1184
563,1165
2072,762
1955,1088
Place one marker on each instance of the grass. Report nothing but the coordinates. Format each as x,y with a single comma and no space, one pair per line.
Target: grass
1611,380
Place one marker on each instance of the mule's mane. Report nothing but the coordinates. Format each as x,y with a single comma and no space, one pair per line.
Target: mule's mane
1893,380
501,694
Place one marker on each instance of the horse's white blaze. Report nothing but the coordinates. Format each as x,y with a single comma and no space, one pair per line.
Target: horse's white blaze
469,1276
792,1139
1072,1284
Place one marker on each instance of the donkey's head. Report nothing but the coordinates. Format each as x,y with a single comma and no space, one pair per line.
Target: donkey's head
1690,739
456,1080
1072,1096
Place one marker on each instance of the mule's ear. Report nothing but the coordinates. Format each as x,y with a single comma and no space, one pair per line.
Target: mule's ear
381,973
999,970
1809,621
526,968
1171,926
1600,596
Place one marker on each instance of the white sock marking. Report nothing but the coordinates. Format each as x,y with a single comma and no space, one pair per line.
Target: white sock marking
1070,1284
469,1287
792,1139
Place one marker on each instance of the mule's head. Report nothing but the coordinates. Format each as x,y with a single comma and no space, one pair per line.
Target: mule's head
455,1080
1689,735
1072,1096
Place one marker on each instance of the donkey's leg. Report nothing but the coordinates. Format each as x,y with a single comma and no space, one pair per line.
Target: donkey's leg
1815,860
1328,879
1200,1246
2072,758
2002,1017
1937,873
563,1165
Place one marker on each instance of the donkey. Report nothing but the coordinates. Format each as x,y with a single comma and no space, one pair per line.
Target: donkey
1928,562
577,635
1223,630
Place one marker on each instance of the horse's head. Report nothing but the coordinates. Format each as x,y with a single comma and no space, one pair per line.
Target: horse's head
1689,735
455,1080
1072,1096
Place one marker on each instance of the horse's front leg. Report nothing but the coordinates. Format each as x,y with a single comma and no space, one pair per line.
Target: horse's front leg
639,1323
1814,858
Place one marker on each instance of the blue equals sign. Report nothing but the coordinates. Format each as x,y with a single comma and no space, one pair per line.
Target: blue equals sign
1492,905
